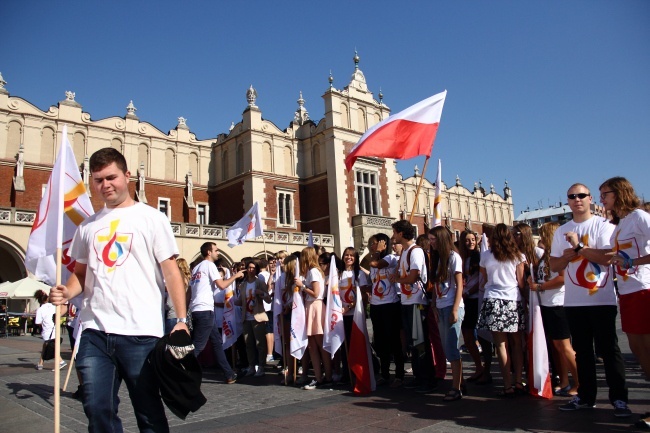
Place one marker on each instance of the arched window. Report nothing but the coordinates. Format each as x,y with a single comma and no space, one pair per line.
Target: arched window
224,166
316,160
377,118
193,164
14,132
345,114
143,157
240,159
47,146
116,144
79,147
288,161
267,157
363,123
170,164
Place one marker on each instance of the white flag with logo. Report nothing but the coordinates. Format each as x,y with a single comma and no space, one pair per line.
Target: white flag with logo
333,331
63,207
298,331
278,288
230,326
249,227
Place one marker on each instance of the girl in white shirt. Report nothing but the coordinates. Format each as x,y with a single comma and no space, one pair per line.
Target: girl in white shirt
312,284
502,312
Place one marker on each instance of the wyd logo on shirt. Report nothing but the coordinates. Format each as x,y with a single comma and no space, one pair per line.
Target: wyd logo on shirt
625,248
382,286
112,247
587,274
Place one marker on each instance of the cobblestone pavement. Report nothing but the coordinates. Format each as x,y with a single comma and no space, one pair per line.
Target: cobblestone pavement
262,404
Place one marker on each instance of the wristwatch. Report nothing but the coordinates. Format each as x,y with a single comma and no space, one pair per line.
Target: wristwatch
579,247
181,320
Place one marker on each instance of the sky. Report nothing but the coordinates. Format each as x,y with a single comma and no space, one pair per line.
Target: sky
542,94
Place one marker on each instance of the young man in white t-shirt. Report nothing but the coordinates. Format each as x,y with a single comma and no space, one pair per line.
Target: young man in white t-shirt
125,256
590,300
265,276
205,280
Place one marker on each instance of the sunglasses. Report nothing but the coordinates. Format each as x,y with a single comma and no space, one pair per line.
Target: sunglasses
581,196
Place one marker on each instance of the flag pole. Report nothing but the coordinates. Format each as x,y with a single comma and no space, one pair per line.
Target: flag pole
70,366
417,192
285,367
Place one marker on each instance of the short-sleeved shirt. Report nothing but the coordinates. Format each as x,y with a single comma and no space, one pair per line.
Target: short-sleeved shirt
348,290
550,298
250,301
44,318
631,238
382,291
264,276
413,293
586,283
124,287
501,277
202,286
314,275
446,290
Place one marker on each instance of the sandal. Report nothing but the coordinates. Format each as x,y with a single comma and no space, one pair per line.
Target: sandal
453,395
507,392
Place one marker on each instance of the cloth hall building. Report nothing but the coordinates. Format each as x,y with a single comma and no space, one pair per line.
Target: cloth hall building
297,175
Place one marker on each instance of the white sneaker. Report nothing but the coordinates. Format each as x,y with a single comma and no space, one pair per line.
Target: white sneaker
62,365
311,385
269,358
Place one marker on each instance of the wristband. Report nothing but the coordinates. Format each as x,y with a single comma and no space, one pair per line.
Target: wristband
628,262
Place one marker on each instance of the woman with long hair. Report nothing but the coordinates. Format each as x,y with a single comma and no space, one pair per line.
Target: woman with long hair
526,244
285,283
468,250
631,244
349,279
385,310
312,283
448,281
502,312
549,286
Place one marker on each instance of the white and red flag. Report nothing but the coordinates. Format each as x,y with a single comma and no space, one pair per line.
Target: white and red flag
404,135
333,332
298,330
278,286
65,204
249,227
359,357
539,375
437,206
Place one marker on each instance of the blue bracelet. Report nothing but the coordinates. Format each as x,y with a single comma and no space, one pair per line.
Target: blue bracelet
627,262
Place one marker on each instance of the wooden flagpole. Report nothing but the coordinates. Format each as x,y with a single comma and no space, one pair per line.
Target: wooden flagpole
57,348
70,366
285,367
417,192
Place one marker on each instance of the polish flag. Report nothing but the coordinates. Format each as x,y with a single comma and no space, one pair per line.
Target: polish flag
404,135
359,357
539,376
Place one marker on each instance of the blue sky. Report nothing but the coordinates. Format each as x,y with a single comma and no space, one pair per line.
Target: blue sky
541,93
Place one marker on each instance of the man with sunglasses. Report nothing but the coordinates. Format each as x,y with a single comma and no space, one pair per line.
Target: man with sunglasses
579,248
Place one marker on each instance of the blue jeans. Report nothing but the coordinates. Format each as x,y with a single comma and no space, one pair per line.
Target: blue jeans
219,355
103,361
202,323
450,333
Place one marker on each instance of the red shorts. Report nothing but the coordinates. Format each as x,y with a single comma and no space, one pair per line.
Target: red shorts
634,312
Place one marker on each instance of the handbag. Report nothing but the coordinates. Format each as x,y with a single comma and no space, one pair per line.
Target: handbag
48,348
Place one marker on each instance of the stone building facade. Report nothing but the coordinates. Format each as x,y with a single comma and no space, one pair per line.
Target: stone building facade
297,175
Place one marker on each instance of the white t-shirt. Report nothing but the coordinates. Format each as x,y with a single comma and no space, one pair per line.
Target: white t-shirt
314,275
446,290
202,285
44,318
264,276
586,283
287,295
124,287
550,298
219,297
413,293
631,238
501,277
348,290
383,291
250,300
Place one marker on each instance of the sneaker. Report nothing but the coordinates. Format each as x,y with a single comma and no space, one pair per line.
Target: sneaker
232,379
78,394
302,380
311,385
39,367
62,365
249,371
621,410
576,404
326,384
397,383
300,370
260,372
269,358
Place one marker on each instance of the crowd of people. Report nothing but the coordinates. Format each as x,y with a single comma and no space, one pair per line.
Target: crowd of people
422,294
